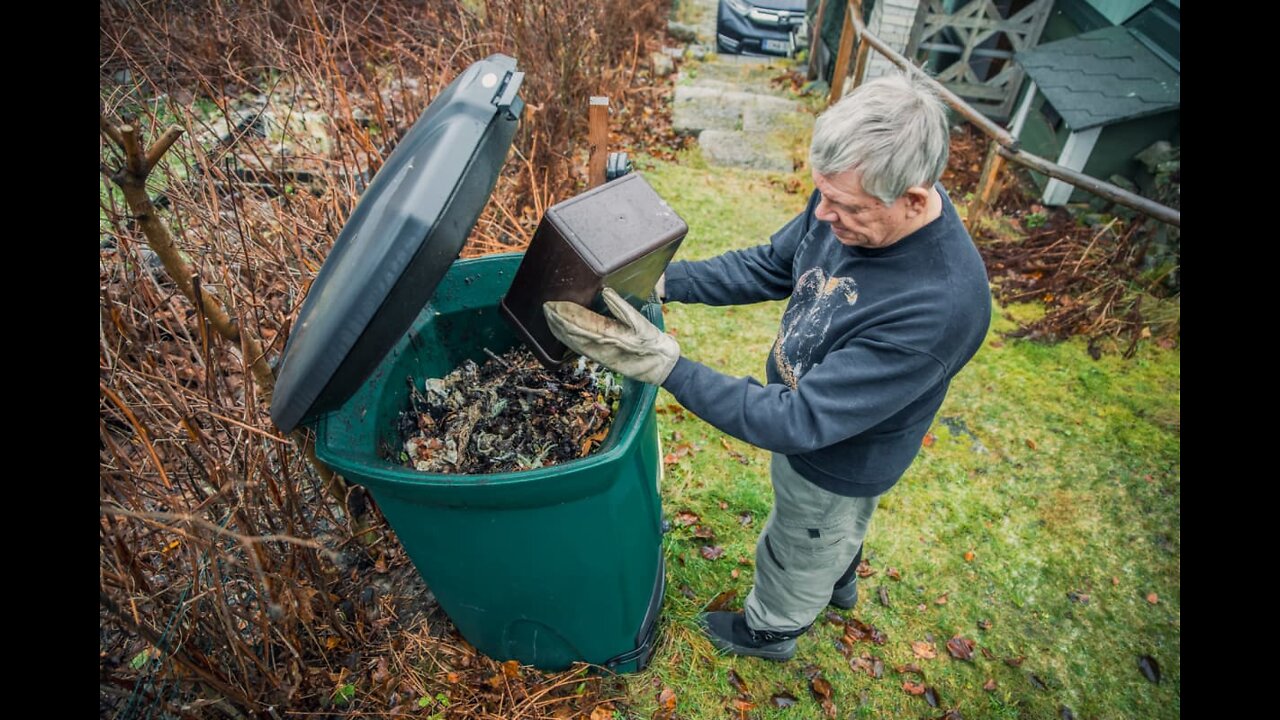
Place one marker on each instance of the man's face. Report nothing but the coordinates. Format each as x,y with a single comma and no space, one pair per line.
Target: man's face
857,218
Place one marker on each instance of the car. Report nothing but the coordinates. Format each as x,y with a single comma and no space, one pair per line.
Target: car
761,27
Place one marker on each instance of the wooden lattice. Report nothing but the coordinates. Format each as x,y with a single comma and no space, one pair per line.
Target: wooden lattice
976,24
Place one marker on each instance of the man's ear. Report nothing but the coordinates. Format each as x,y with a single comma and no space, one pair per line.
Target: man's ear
917,198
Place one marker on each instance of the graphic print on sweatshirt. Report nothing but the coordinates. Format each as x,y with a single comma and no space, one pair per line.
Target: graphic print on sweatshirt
814,302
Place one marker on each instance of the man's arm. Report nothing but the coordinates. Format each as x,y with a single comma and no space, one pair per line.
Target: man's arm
742,276
853,389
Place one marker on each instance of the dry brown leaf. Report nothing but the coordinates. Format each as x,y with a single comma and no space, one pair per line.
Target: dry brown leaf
912,687
685,518
738,684
989,685
960,648
667,698
721,601
924,650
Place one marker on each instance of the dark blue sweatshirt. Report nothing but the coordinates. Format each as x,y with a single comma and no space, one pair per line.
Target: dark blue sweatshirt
868,345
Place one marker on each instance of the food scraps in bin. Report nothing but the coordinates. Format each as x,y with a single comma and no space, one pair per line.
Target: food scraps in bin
508,414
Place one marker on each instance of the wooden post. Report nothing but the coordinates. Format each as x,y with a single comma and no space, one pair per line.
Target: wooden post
988,190
860,65
598,136
815,43
842,57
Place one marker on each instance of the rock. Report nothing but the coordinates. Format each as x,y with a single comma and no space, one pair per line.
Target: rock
1158,152
682,32
698,108
755,151
662,64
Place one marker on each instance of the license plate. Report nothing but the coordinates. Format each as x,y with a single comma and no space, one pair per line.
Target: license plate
778,46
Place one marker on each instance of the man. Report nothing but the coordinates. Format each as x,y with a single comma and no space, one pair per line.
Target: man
888,301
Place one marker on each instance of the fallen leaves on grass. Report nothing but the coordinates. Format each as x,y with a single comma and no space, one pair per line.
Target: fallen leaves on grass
667,698
968,556
1150,668
703,532
821,690
893,573
910,668
1079,597
942,599
984,624
1153,598
865,570
711,552
738,684
989,685
931,696
884,596
855,630
685,518
783,699
960,648
923,650
734,453
913,687
869,664
721,601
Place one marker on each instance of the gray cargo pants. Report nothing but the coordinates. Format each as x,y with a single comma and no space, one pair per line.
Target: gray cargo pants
808,542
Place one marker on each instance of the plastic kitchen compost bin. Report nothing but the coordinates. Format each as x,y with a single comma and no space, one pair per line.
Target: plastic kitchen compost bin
547,566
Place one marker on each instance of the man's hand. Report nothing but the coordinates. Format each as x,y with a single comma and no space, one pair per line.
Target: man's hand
630,345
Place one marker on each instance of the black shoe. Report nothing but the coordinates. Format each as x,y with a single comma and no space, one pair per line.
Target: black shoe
845,593
729,633
845,597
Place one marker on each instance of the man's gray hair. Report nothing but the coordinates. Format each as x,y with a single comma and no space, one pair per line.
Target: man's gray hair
892,130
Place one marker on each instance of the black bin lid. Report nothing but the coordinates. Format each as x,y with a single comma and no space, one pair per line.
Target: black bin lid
407,229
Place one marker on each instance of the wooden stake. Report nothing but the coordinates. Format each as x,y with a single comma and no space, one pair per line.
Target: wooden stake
598,136
842,57
815,43
988,189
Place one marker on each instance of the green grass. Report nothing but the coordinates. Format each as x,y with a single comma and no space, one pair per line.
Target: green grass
1061,475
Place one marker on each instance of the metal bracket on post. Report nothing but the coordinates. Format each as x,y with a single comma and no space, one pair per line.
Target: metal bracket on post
619,165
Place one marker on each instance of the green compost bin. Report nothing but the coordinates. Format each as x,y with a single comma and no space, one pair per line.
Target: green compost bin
546,566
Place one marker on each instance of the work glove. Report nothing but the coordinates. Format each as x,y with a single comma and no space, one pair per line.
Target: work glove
630,344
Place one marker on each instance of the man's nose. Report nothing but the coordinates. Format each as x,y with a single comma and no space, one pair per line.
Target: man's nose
823,211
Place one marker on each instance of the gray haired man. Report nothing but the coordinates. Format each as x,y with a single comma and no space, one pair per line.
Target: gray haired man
888,301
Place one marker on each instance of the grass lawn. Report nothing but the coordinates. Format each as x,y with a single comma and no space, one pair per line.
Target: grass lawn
1046,503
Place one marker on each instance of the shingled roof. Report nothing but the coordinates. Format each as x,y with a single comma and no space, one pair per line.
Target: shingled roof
1101,77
